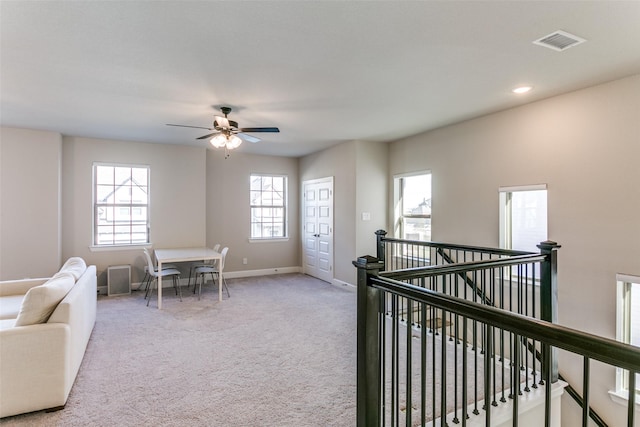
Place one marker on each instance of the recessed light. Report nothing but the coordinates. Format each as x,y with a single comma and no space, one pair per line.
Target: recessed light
522,89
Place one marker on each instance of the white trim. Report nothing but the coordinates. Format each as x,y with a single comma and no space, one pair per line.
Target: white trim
341,284
111,248
627,278
532,187
264,272
415,173
269,240
622,398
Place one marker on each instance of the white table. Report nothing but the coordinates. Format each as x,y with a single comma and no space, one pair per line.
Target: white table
185,255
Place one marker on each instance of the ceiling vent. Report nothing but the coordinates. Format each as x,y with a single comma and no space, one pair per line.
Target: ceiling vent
559,41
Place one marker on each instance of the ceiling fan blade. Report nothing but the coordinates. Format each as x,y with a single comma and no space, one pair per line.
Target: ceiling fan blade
185,126
248,138
222,122
208,136
273,130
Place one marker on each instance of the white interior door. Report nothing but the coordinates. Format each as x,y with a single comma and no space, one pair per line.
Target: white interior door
317,228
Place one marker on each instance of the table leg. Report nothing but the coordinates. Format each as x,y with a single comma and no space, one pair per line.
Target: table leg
220,280
159,285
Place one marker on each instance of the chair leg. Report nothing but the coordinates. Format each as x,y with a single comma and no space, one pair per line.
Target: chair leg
225,285
223,281
147,286
151,291
177,284
144,279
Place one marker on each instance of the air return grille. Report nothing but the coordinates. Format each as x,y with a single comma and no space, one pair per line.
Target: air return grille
559,41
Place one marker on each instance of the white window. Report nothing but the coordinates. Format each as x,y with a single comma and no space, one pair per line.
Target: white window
120,205
523,217
627,324
268,200
412,194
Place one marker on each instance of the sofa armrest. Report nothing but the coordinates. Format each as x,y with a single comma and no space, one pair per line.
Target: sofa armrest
19,287
34,370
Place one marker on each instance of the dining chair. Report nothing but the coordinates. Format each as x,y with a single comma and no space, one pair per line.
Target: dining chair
146,280
207,263
213,270
155,273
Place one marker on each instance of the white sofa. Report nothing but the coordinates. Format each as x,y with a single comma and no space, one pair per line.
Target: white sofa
45,325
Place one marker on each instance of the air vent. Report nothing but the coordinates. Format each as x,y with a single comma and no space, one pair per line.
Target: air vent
559,41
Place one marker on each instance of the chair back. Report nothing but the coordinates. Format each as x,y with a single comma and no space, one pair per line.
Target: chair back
149,262
224,255
216,247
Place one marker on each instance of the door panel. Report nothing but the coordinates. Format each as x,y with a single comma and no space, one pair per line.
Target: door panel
318,228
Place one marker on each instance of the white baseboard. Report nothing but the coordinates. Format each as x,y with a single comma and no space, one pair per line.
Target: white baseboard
167,283
342,284
264,272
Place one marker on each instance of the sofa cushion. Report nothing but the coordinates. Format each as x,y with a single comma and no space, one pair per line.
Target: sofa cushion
40,301
10,306
74,265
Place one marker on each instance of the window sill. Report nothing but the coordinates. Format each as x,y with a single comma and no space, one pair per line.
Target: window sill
269,240
119,247
621,397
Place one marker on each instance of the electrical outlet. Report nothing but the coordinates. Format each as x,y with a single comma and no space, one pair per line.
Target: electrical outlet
244,261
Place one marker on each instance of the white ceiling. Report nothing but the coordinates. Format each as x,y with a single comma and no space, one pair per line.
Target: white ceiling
324,72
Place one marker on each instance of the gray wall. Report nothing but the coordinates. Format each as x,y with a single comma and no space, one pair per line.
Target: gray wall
228,210
30,203
360,173
177,197
586,146
197,199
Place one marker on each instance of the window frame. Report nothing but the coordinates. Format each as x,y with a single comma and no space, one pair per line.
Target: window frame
624,282
95,244
284,206
398,193
506,220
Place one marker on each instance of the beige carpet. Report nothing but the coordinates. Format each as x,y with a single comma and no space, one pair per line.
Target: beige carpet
279,352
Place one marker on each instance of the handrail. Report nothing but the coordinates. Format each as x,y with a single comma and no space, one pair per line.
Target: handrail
592,346
463,267
497,251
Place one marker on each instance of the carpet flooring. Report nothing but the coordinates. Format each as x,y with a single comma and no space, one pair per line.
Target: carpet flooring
280,352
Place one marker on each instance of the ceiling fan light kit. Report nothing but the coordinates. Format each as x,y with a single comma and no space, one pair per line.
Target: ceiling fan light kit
227,134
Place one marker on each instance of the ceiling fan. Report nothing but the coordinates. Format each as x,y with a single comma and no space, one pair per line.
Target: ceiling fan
227,133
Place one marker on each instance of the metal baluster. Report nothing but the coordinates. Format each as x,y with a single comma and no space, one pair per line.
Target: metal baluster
443,369
515,381
423,364
465,385
632,398
585,392
409,357
487,374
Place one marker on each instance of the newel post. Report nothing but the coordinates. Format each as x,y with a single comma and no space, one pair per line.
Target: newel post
368,352
549,300
380,252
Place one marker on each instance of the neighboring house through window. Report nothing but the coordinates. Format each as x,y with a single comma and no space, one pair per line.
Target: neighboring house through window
268,203
120,205
412,197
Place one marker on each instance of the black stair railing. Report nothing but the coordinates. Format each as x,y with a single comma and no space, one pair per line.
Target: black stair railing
463,257
372,286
